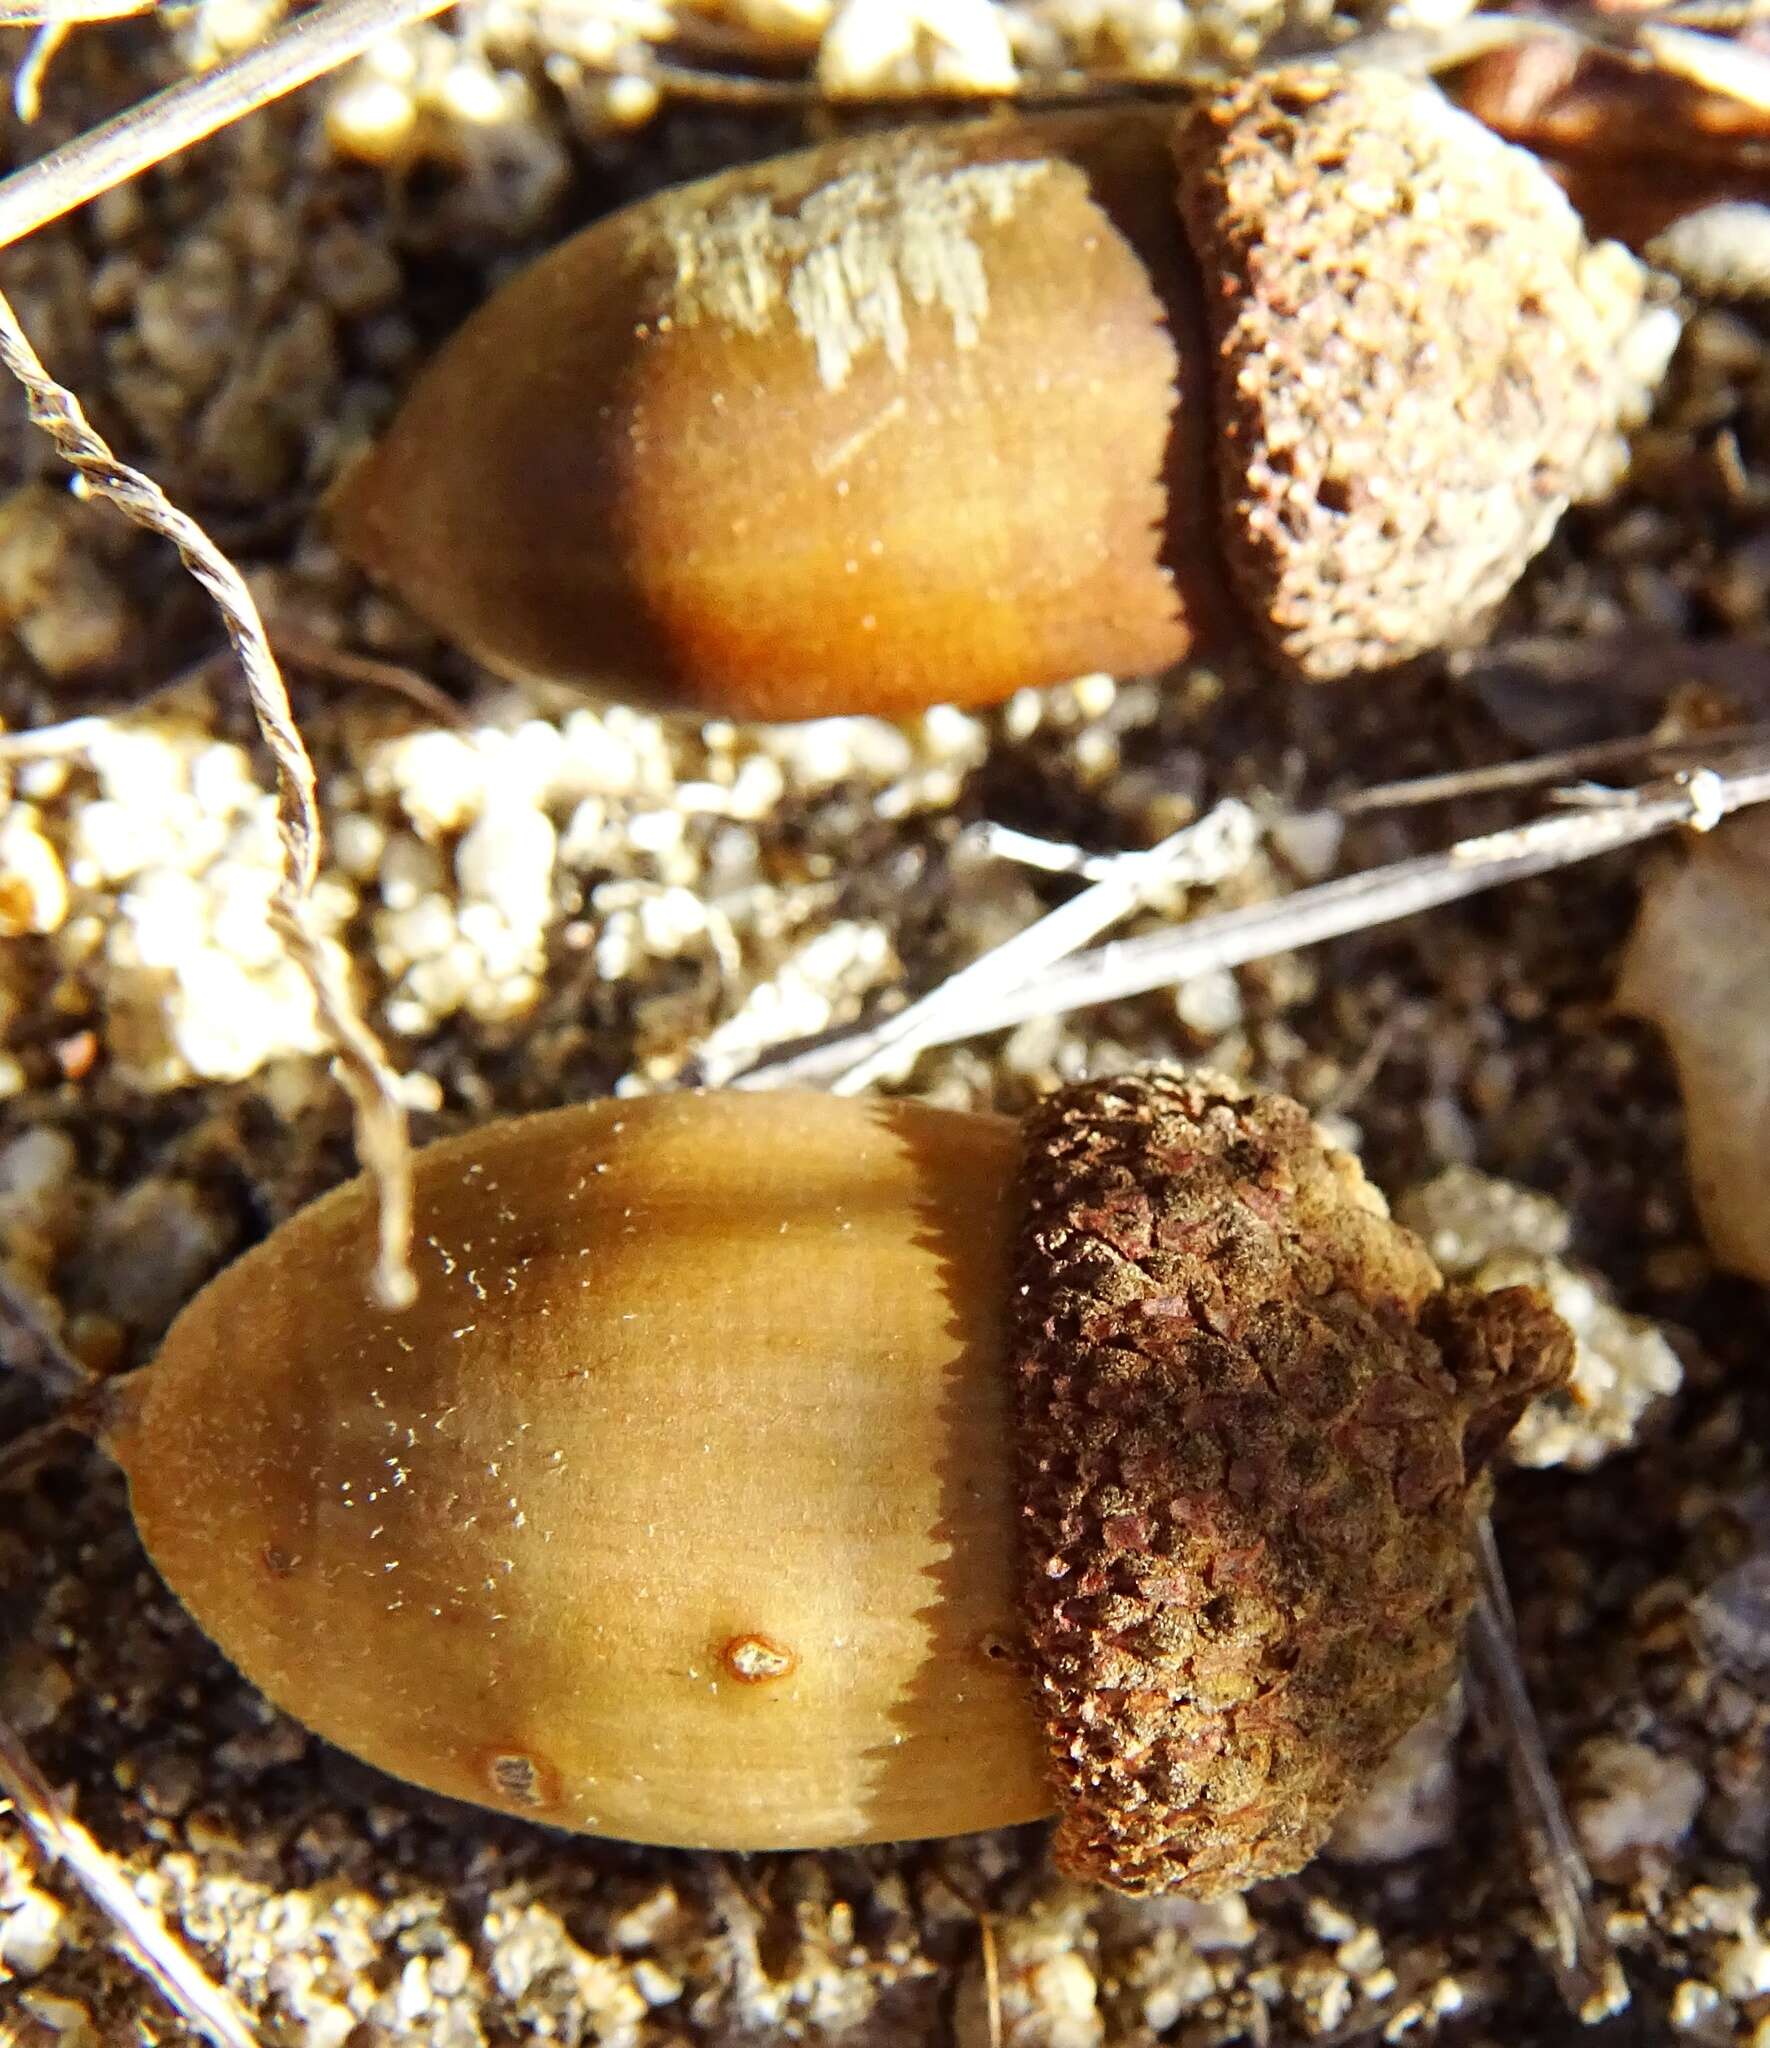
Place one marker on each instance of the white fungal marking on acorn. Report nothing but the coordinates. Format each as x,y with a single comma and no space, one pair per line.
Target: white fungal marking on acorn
854,257
839,457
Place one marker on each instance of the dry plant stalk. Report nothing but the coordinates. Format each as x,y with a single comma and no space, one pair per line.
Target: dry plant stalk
53,14
373,1087
61,1838
1200,853
1585,1961
999,994
137,139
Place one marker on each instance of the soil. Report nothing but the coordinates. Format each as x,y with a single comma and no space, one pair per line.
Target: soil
543,900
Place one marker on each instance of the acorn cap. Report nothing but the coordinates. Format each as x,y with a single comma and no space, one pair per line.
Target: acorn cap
1421,360
1253,1432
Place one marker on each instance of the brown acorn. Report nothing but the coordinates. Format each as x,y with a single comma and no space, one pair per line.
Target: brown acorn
934,415
764,1472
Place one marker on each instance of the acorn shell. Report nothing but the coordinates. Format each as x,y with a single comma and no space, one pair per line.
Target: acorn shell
675,1508
869,427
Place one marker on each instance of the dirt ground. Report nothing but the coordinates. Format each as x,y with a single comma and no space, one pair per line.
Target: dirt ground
543,900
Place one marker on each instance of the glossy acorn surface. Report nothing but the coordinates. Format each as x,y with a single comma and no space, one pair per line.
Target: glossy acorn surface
613,1528
792,437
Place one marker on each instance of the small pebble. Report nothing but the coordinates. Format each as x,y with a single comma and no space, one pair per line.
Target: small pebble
31,1934
1632,1802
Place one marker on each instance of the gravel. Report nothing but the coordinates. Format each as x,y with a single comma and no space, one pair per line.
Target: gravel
542,900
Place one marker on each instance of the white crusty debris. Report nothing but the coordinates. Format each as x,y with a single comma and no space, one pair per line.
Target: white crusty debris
1493,1234
855,256
1632,1803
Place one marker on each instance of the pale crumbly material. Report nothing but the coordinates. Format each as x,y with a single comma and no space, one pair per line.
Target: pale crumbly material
1253,1437
1494,1235
895,230
1631,1802
1411,1803
1421,360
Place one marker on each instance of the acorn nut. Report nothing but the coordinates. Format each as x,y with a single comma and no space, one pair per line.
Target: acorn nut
766,1472
935,415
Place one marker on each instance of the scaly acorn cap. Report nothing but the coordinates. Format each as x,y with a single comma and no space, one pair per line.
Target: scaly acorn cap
1254,1437
1421,360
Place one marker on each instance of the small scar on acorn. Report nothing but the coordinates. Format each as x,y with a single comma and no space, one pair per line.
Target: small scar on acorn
756,1659
519,1779
1198,1570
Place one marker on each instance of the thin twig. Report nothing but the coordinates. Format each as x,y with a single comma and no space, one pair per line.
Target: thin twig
69,13
1558,675
307,651
27,80
373,1087
1203,852
741,90
140,137
1540,770
29,1346
1587,1967
1369,1064
150,1943
1029,850
88,1414
295,648
1133,967
733,89
54,21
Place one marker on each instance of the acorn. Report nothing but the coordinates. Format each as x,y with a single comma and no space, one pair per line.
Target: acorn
756,1473
938,414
